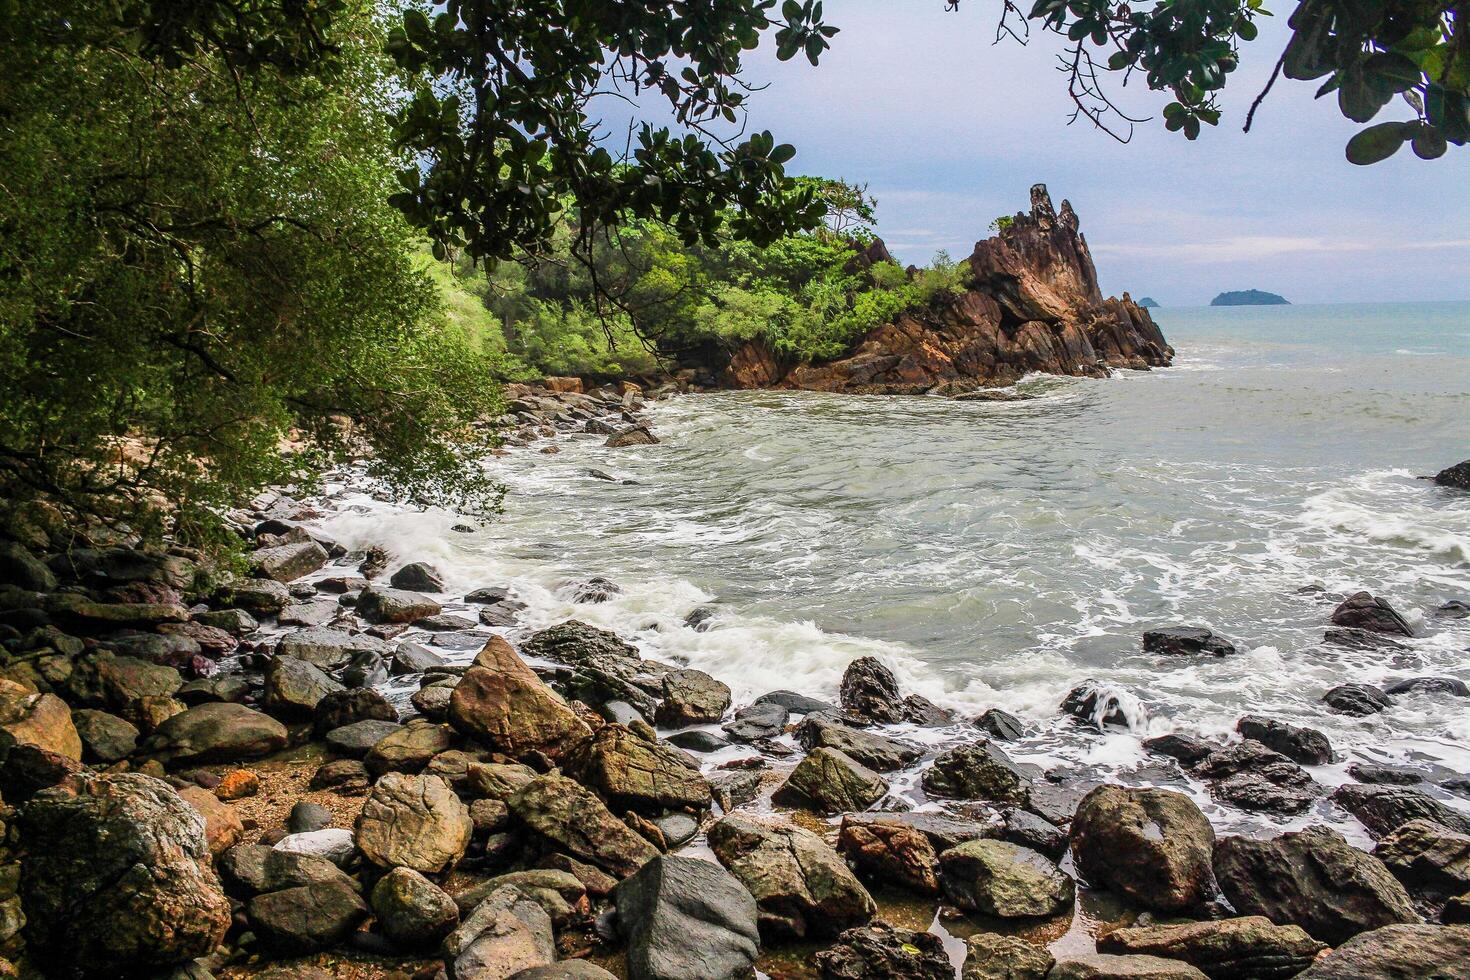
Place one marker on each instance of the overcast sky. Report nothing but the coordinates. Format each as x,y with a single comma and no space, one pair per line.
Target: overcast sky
950,131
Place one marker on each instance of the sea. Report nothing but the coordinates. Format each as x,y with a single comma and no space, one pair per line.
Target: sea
999,554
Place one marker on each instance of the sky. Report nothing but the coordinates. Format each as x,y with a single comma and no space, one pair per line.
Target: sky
950,131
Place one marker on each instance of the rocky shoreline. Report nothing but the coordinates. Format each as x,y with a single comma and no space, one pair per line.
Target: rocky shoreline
205,777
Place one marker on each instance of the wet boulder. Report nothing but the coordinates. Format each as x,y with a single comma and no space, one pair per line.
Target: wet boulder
412,911
995,956
1429,859
287,562
1304,745
1153,846
1001,725
417,576
757,721
637,435
1247,948
831,783
801,886
505,934
1356,699
357,739
1253,777
379,605
415,822
879,951
42,720
1099,705
979,771
1365,611
869,693
1186,641
636,773
216,731
892,853
1383,809
1314,879
307,918
686,917
576,821
1456,477
1452,686
105,738
877,752
1004,880
501,702
329,649
117,879
1399,952
1107,966
294,688
692,697
253,869
1186,749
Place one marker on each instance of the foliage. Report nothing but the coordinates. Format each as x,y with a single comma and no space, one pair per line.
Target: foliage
203,289
1366,52
1001,224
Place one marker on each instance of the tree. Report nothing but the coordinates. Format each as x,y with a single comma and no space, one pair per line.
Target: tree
1367,52
203,289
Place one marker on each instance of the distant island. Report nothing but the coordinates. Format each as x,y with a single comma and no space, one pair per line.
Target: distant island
1248,297
1149,303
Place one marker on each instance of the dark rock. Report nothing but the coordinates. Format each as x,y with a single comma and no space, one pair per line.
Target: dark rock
1356,699
1305,745
1005,880
692,697
1453,609
700,619
504,935
1383,809
801,886
685,917
1029,830
1430,860
341,584
1366,772
1456,477
329,649
869,692
1188,749
635,436
796,704
697,740
995,956
820,730
565,970
116,878
678,829
1107,966
892,853
1365,611
236,622
444,623
1154,846
413,658
1097,704
341,708
942,830
306,817
409,748
378,605
757,721
412,911
1254,777
979,771
574,819
257,595
357,739
252,869
735,789
216,732
831,782
105,738
1186,641
1430,685
1001,725
295,921
417,576
1248,948
347,777
1360,640
293,688
596,589
488,595
1312,878
879,951
636,773
1398,952
20,568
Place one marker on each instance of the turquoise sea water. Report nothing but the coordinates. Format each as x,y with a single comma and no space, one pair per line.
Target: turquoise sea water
997,554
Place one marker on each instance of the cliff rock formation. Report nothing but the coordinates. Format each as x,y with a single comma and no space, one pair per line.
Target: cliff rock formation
1033,305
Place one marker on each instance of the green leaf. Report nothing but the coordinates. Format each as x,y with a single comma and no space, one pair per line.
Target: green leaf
1429,143
1376,143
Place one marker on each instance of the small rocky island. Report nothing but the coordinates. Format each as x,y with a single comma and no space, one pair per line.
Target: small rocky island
1249,297
1149,303
1033,304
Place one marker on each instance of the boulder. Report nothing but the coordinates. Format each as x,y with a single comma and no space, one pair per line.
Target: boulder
685,917
417,576
995,956
334,844
415,822
1097,704
293,688
502,702
879,951
565,970
797,704
412,911
1429,859
1004,880
1001,725
287,562
638,435
869,693
236,622
1305,745
892,853
504,935
1452,686
378,605
253,869
978,771
1254,777
942,830
408,748
222,826
1186,641
215,732
42,720
877,752
254,595
560,893
116,878
413,658
301,920
357,739
105,680
1364,611
757,721
830,782
1106,966
1314,879
341,708
1399,952
575,642
1248,948
1383,809
692,697
329,649
1356,699
1153,846
1187,749
632,772
801,886
575,820
1456,477
20,568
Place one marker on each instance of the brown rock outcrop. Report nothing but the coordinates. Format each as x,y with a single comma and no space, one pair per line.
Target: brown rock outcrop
1033,305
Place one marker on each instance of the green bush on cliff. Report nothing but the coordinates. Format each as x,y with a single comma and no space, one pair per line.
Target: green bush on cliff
198,262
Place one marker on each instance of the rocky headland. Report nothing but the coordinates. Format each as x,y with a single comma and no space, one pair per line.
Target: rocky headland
1032,305
202,775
